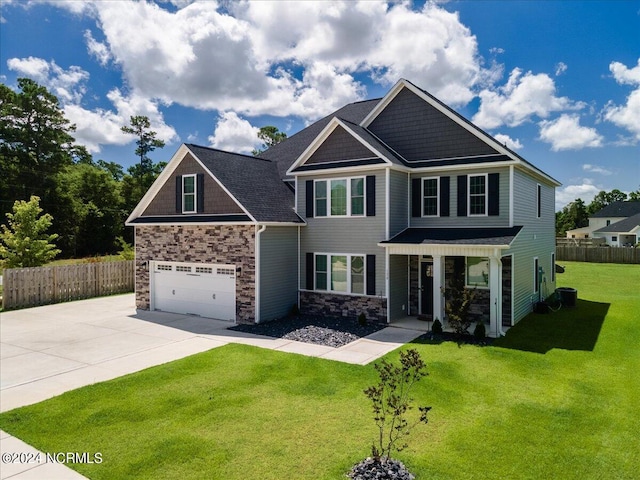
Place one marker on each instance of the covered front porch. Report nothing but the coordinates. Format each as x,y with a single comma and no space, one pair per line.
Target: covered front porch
422,263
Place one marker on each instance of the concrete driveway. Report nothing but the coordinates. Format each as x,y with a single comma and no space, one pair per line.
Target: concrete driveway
46,351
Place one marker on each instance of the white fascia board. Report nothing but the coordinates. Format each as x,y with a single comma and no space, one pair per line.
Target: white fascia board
341,170
443,249
382,104
320,139
159,182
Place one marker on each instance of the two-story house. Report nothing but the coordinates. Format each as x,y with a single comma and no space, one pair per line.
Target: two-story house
371,209
616,225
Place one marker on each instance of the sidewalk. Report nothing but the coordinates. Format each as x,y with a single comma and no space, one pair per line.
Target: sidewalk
46,351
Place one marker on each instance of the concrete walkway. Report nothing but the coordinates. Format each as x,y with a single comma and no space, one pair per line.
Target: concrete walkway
46,351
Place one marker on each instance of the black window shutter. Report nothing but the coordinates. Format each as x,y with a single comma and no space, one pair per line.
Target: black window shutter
179,194
371,274
458,266
494,194
310,272
200,189
371,196
444,196
416,200
462,195
309,198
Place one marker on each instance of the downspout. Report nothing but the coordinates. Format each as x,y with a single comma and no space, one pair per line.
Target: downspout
257,271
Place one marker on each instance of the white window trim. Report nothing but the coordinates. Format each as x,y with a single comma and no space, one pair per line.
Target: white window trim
422,179
466,271
195,193
536,279
349,257
328,190
486,195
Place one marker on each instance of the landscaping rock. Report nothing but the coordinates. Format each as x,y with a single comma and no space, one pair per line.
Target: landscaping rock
372,469
330,332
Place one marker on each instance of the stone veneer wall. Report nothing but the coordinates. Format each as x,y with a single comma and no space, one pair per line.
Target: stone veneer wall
218,244
332,305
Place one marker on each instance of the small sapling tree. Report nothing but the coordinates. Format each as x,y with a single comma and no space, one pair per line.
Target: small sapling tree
391,401
458,300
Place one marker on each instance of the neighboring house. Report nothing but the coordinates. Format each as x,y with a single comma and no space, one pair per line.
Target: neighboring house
617,224
371,209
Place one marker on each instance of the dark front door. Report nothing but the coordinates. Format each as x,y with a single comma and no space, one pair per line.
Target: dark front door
426,288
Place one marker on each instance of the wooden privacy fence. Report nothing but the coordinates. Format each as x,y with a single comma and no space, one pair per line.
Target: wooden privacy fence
30,287
598,254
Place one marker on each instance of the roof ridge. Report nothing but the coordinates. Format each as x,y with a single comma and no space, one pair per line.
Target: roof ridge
252,157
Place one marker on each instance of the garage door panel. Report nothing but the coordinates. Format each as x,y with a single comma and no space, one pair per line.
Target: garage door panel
176,288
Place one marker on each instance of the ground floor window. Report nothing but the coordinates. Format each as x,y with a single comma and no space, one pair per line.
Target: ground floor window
477,272
340,273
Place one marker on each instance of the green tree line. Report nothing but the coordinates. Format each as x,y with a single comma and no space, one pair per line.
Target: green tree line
87,201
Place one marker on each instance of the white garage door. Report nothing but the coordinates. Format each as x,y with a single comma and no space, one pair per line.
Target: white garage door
194,288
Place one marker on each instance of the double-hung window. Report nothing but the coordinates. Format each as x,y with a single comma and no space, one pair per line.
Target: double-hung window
340,197
340,273
189,194
478,194
477,272
430,187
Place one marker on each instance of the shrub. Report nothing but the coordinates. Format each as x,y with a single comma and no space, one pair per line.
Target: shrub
436,328
126,250
362,319
480,331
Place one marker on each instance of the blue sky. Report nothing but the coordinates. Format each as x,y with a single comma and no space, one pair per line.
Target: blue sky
558,81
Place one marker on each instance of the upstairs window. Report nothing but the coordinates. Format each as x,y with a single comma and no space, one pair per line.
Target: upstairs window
477,194
340,197
430,197
189,194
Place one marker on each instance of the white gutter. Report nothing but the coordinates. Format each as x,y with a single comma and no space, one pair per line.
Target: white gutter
257,273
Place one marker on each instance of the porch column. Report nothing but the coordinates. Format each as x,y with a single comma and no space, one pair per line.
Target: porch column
438,285
495,296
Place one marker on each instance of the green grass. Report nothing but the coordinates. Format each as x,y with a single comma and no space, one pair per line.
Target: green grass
557,398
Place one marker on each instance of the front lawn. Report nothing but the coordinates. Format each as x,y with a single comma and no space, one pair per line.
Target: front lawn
557,398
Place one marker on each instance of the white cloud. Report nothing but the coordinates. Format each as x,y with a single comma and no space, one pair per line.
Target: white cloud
566,133
67,85
626,116
521,98
513,144
234,134
561,67
93,127
596,169
97,49
190,56
585,191
624,75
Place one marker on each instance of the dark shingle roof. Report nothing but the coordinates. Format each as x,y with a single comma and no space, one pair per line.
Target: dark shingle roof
623,226
288,151
253,181
618,209
457,236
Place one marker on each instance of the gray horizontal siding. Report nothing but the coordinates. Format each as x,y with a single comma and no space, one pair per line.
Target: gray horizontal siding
398,286
537,239
345,234
453,220
398,202
278,272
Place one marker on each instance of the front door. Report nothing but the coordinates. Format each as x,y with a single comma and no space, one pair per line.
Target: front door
426,288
